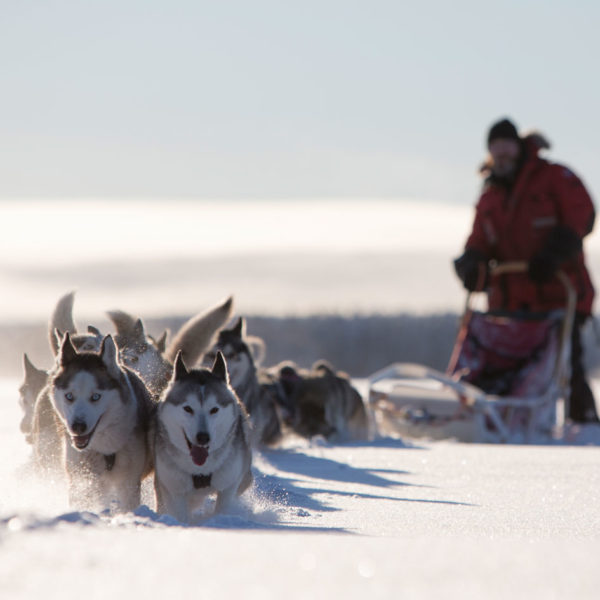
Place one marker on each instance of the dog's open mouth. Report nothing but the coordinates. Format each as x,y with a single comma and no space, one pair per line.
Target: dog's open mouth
199,454
81,442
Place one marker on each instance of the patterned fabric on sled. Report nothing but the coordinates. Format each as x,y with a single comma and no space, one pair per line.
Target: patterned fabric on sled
508,356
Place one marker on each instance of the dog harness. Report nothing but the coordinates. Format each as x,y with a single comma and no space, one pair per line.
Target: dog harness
201,481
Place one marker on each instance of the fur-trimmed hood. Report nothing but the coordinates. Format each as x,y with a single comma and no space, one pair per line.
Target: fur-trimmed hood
533,141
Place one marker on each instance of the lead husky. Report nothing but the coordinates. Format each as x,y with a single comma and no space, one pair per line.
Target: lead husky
36,379
201,442
103,413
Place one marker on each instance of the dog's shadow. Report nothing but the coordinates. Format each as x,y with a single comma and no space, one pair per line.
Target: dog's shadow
300,480
327,469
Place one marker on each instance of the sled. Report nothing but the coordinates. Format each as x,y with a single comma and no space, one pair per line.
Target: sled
507,379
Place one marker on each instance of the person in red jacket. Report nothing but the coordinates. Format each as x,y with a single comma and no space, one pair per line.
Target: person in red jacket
536,211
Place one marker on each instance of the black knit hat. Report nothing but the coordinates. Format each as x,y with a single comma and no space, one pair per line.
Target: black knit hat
503,129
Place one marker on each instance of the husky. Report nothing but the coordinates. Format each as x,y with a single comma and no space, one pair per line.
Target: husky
102,413
152,358
201,441
321,401
36,379
234,344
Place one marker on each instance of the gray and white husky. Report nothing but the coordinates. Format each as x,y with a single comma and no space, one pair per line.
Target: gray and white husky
201,441
258,400
35,379
102,412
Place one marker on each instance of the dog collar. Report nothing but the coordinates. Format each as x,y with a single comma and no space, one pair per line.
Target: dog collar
109,459
201,481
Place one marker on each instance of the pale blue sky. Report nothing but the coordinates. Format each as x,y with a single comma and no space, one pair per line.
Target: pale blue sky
279,99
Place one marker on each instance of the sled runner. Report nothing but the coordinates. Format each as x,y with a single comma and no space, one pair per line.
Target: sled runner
507,379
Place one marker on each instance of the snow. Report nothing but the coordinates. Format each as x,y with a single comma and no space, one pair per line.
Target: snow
380,519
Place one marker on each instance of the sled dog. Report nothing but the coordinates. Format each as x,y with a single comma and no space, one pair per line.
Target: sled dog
36,379
321,401
259,402
201,441
102,413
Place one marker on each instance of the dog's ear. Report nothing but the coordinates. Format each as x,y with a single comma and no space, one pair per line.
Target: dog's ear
219,368
58,335
31,371
138,331
179,369
258,349
28,366
239,329
66,352
109,355
161,342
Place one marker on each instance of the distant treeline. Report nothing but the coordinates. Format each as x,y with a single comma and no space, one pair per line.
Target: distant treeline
359,345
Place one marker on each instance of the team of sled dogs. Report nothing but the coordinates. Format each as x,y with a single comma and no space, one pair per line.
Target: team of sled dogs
117,408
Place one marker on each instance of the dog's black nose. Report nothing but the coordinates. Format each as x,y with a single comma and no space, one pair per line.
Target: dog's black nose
78,427
202,438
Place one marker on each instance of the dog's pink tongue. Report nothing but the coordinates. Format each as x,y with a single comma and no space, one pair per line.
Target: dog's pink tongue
199,454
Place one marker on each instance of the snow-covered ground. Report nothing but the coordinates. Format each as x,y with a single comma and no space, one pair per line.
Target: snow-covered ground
381,519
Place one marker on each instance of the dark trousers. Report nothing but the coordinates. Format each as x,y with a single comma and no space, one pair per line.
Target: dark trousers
582,406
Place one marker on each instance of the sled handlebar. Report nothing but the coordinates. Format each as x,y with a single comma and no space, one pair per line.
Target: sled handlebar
522,266
500,268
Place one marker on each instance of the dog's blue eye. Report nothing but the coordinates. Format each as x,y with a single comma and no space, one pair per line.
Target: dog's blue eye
69,396
188,409
214,411
95,397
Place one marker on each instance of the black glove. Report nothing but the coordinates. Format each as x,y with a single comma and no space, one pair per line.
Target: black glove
561,244
472,270
542,268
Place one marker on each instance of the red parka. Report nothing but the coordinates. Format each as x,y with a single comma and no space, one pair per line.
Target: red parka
514,225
